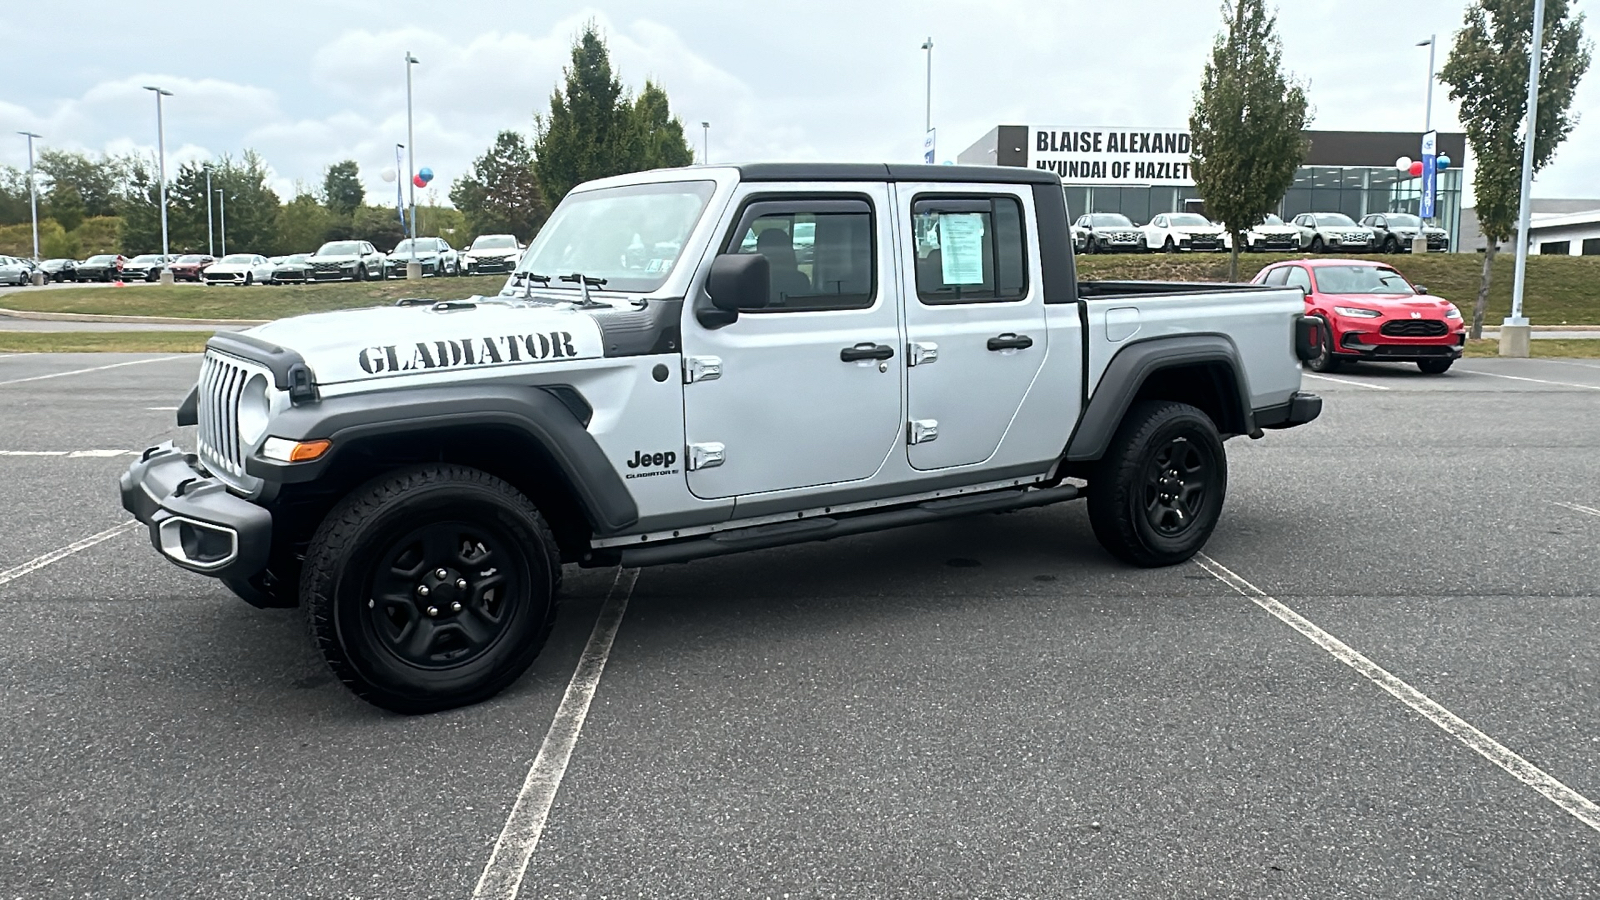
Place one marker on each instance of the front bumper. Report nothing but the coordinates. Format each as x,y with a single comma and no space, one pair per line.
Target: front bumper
193,520
490,266
1301,408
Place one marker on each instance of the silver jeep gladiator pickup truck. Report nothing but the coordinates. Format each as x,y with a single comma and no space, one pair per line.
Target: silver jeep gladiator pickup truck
694,362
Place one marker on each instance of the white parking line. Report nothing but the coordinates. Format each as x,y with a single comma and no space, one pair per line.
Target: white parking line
71,454
1587,510
502,876
1375,387
1587,387
34,565
1572,802
136,362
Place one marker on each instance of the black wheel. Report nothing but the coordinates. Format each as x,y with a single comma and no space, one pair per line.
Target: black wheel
1390,245
1325,361
249,278
1157,494
1317,245
361,273
1434,366
431,587
1169,246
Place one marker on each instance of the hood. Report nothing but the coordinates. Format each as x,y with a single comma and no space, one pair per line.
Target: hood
1401,305
229,267
1287,230
395,341
1196,229
502,251
338,258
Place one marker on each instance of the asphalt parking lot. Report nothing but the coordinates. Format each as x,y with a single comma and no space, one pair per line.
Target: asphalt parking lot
989,707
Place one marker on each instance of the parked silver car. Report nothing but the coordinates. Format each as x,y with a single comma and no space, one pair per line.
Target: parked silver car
1331,231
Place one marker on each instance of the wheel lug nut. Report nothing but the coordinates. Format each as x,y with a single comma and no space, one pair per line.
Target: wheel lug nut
461,584
441,573
433,610
422,589
456,606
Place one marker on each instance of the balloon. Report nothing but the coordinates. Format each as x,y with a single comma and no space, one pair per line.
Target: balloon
389,174
1441,163
1403,164
1416,169
426,173
417,180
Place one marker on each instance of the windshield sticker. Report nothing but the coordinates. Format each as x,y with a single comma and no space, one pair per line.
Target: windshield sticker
961,247
484,351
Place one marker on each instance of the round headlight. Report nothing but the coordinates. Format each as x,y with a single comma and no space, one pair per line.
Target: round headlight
254,410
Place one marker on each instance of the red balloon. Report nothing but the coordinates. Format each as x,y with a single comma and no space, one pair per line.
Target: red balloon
1416,170
417,179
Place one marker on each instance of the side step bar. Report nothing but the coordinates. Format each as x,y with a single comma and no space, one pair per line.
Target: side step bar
822,528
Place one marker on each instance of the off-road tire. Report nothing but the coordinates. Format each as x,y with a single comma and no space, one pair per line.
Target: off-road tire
1121,491
1434,366
346,562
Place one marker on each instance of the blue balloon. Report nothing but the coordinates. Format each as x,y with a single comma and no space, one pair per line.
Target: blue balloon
1441,163
426,173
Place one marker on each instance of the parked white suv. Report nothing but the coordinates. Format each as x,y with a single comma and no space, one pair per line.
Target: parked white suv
417,474
1173,232
1331,231
347,260
492,254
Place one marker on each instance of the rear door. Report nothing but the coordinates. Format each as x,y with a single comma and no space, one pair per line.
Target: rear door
975,317
806,392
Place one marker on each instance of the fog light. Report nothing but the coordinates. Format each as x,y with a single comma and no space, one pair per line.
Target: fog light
199,545
289,451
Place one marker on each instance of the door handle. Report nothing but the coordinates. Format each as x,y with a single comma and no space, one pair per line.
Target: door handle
1010,341
866,351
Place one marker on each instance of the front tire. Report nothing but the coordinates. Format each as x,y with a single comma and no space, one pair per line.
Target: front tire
1156,495
1325,360
249,278
1317,246
1434,366
401,635
1390,245
1169,246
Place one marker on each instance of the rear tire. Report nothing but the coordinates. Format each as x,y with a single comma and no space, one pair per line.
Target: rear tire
1156,495
371,558
1434,366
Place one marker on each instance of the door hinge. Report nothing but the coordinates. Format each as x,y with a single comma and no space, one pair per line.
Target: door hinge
923,430
701,368
705,456
919,353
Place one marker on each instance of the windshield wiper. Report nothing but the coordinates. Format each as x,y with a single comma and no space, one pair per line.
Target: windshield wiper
584,282
528,278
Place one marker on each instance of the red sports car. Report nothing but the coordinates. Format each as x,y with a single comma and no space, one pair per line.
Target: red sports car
1372,313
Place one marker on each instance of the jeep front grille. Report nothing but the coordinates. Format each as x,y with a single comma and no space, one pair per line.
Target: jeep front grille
222,381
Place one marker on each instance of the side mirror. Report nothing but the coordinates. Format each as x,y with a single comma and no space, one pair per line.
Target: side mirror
737,281
1421,289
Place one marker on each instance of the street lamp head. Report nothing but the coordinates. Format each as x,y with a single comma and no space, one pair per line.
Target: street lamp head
1426,43
162,91
411,59
927,44
31,135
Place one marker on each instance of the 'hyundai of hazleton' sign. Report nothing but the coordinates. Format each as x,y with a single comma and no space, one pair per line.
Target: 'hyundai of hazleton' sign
1129,157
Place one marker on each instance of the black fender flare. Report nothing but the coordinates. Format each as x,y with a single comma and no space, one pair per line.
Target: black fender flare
1134,364
553,417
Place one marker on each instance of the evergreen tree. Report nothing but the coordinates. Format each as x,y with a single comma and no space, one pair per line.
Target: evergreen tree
251,206
500,193
341,187
661,134
303,225
1488,76
1247,123
138,203
590,131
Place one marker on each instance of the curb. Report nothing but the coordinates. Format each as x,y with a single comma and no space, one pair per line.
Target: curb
130,320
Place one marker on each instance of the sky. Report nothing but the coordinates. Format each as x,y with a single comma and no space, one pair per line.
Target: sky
307,84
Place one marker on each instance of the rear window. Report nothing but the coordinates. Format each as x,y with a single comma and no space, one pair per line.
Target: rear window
970,249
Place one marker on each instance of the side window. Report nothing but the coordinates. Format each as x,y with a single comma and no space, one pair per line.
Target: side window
1276,276
821,252
1297,277
970,249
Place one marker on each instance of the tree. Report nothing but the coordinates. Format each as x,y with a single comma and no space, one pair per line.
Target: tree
252,207
66,205
378,224
101,181
590,131
500,193
341,187
1247,123
660,134
139,204
14,208
1488,76
303,224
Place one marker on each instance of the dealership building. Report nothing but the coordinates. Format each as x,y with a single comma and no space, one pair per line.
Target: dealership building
1144,172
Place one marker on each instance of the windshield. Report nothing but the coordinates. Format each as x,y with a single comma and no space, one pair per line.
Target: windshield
1110,220
1361,280
98,260
297,258
1335,219
1270,219
337,248
190,258
147,258
1187,219
1404,221
424,245
492,242
238,258
630,236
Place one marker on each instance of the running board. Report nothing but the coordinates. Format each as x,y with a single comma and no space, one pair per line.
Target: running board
823,528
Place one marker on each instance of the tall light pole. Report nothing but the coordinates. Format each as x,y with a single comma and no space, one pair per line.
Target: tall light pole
33,196
705,143
222,208
1514,331
928,149
211,244
161,153
413,268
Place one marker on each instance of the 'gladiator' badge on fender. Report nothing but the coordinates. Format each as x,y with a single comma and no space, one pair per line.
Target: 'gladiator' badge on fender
482,351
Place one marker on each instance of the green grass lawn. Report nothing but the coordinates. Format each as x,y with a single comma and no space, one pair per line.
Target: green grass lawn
103,342
194,301
1562,290
1557,349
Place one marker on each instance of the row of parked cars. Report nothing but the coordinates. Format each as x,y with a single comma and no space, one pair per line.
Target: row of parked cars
1316,232
489,254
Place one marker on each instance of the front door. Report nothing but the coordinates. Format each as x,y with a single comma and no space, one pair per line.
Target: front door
975,318
807,391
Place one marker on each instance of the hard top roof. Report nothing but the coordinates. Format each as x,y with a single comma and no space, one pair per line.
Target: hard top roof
894,172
